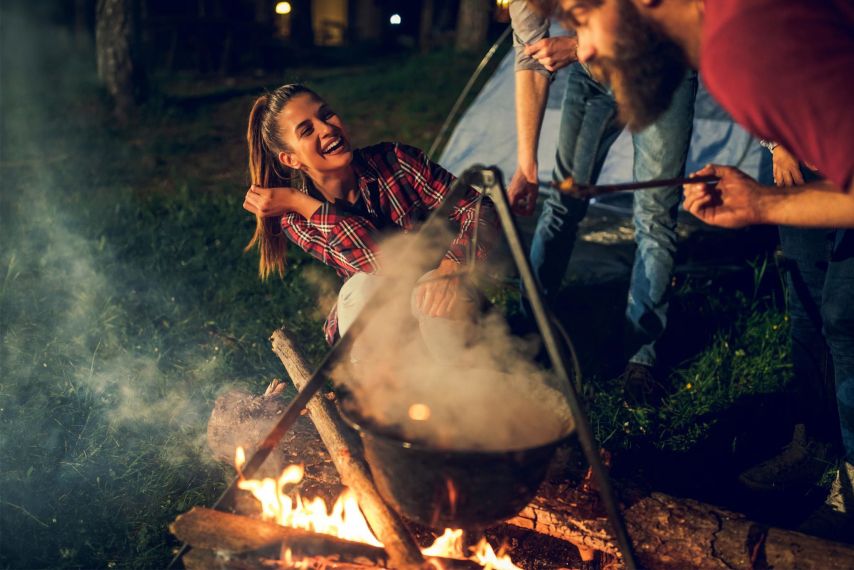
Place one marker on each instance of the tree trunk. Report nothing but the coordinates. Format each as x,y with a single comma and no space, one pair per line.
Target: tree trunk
116,46
425,31
472,25
302,24
84,12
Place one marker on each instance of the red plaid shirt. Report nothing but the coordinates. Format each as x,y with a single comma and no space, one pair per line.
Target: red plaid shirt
398,186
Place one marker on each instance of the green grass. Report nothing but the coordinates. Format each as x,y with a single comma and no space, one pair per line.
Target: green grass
749,358
127,303
126,300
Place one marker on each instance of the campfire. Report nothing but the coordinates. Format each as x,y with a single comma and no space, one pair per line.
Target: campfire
365,527
345,521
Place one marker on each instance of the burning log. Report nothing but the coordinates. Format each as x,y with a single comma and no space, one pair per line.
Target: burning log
346,451
224,540
668,532
672,533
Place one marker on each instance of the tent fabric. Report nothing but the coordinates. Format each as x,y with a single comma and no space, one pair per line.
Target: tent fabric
486,134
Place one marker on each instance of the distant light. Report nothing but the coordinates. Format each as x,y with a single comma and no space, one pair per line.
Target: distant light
395,19
283,8
503,3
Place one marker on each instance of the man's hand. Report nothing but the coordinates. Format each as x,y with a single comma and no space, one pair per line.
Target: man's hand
436,297
553,53
787,168
269,202
731,203
522,192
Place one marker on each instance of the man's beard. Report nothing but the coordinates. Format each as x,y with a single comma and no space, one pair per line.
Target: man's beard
645,72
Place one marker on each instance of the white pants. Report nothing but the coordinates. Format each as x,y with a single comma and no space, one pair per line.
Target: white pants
445,338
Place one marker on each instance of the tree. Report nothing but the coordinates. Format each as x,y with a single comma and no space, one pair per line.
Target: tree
472,24
302,24
425,31
117,50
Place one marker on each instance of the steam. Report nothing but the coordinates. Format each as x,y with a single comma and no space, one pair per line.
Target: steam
484,393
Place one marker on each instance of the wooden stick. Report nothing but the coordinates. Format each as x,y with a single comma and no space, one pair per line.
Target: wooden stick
215,530
247,542
570,186
669,532
345,449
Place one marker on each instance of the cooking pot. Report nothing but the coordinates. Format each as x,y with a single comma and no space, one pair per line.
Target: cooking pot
448,488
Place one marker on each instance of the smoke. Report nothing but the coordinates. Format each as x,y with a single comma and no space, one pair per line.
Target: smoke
444,382
107,369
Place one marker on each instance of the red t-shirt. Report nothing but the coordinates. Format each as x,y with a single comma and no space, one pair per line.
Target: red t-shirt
784,69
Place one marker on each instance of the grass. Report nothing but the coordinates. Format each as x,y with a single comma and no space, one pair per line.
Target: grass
127,303
749,358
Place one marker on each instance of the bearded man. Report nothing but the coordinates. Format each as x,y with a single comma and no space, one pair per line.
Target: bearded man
784,69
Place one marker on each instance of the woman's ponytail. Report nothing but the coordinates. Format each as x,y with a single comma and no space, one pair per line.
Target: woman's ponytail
266,171
263,172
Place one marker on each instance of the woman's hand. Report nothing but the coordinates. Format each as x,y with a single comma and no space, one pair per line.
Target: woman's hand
269,202
787,168
437,296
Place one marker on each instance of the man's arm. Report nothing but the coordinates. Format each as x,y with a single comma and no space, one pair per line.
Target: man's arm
532,89
738,200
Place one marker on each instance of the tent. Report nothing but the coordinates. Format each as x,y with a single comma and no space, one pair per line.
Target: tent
486,134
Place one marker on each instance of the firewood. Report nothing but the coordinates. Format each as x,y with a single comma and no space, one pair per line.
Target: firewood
215,530
225,540
673,533
346,451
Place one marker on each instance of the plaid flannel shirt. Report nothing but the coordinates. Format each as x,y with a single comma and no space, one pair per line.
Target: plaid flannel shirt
399,185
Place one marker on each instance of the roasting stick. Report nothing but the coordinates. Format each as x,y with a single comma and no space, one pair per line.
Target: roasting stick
428,234
578,190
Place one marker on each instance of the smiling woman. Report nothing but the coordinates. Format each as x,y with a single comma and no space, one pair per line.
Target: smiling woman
311,187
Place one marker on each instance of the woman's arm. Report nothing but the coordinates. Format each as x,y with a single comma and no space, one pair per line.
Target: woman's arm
342,241
433,183
271,202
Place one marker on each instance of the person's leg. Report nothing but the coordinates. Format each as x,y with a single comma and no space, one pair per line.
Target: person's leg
660,152
802,461
835,518
807,253
587,129
837,311
352,297
446,338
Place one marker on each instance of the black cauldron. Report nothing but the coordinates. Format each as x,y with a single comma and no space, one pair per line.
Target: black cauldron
449,488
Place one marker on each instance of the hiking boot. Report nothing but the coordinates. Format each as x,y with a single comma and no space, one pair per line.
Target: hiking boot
640,388
835,518
801,462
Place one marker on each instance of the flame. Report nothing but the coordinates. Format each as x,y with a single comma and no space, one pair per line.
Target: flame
345,519
484,555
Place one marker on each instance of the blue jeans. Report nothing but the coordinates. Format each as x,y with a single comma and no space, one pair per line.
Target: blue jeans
588,127
821,309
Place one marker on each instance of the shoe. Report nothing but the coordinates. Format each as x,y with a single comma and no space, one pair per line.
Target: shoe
800,463
834,519
640,388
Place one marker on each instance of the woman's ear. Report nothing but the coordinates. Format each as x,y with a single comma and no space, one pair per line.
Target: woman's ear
289,160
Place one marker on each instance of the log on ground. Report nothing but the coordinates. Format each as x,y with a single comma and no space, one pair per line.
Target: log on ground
670,533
